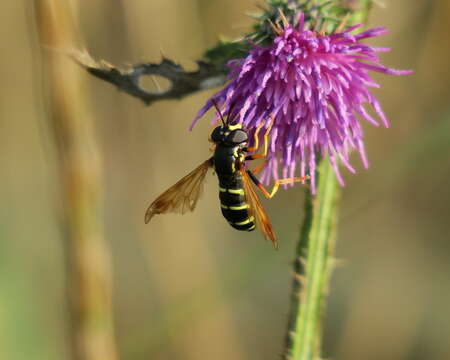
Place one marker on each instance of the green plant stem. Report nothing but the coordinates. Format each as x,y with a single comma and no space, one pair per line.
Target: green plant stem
314,254
312,267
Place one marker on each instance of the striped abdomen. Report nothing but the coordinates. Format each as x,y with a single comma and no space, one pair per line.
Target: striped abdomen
233,204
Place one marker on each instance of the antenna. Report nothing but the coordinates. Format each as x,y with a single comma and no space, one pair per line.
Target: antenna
230,112
218,110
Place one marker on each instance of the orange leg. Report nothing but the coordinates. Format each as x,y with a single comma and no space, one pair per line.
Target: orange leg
261,166
255,156
256,139
256,145
266,138
276,185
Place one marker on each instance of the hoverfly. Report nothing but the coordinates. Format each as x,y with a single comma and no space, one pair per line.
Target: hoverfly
239,202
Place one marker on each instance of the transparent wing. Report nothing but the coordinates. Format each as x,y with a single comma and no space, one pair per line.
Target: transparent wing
183,196
257,209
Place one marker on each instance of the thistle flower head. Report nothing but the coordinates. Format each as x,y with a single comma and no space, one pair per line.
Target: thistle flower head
316,86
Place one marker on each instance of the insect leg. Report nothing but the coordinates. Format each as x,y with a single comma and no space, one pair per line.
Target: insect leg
256,139
276,185
259,167
255,156
266,147
266,137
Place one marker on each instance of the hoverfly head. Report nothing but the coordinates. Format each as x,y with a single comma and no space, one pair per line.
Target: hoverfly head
228,134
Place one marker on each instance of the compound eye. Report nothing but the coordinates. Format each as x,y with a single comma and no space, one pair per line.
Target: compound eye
237,136
217,134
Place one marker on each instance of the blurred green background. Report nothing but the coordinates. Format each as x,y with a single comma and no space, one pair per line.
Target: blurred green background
190,287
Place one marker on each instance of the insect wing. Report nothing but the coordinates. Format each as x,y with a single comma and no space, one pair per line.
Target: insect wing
257,209
183,196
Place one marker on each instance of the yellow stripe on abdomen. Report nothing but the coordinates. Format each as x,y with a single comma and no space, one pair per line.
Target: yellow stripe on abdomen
245,222
236,191
240,207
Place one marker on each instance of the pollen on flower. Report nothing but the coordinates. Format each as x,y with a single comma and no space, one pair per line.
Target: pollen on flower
317,87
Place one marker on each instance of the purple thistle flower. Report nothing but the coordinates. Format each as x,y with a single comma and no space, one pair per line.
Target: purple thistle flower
316,87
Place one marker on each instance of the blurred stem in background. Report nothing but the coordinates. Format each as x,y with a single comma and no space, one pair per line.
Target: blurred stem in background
314,254
88,277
